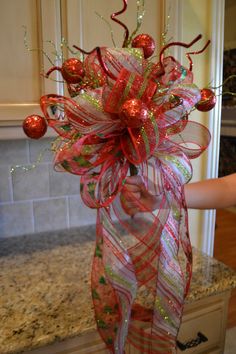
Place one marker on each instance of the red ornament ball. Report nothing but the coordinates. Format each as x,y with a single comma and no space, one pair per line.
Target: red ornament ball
72,70
207,101
146,42
133,113
34,126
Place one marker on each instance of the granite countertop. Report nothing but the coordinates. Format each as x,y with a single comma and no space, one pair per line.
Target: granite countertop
45,287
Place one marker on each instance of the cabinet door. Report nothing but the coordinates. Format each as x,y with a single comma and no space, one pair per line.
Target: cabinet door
25,56
88,21
208,317
89,343
25,28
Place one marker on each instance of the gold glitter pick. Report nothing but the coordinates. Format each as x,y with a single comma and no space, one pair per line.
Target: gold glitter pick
65,44
110,27
24,168
164,34
222,85
227,93
35,49
140,16
32,166
58,55
55,146
224,82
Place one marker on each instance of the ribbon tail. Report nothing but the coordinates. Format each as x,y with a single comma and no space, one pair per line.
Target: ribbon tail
113,266
106,303
174,275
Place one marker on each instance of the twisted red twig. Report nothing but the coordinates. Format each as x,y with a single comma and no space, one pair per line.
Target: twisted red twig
113,17
52,69
181,44
99,55
197,52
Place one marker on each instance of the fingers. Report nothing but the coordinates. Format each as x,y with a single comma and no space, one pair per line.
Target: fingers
130,196
134,180
132,188
135,184
129,207
135,197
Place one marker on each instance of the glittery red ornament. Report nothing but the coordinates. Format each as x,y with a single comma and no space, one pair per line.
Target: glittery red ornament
133,113
207,101
72,70
146,42
34,126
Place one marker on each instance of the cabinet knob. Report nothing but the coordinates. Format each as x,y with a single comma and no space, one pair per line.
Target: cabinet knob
201,338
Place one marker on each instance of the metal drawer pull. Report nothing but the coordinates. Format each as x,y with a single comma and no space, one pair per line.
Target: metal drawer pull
193,342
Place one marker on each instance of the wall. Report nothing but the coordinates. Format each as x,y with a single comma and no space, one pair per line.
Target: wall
194,20
39,199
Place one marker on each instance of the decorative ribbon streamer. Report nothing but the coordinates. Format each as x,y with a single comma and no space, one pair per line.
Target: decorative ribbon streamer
139,282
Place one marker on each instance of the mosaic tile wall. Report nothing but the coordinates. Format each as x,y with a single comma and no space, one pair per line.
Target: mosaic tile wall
39,199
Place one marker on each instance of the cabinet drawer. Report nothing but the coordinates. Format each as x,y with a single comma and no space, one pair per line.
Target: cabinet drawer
207,316
206,321
89,343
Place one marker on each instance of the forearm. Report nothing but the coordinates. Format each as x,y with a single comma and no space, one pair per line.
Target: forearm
212,193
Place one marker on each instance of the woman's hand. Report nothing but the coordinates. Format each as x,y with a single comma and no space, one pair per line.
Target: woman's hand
136,198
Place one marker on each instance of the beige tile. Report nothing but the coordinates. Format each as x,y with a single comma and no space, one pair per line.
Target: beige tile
79,213
50,214
13,152
5,184
16,219
40,150
32,184
63,183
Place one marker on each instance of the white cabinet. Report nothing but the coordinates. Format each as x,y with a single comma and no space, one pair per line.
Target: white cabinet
207,317
89,343
25,27
48,22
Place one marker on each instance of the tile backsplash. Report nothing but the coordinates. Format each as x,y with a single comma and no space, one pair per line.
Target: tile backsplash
38,199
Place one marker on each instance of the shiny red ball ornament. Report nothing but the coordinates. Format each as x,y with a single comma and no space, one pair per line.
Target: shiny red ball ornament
34,126
72,70
207,101
133,113
145,42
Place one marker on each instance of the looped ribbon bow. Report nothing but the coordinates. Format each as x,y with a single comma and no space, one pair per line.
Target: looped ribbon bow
142,267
